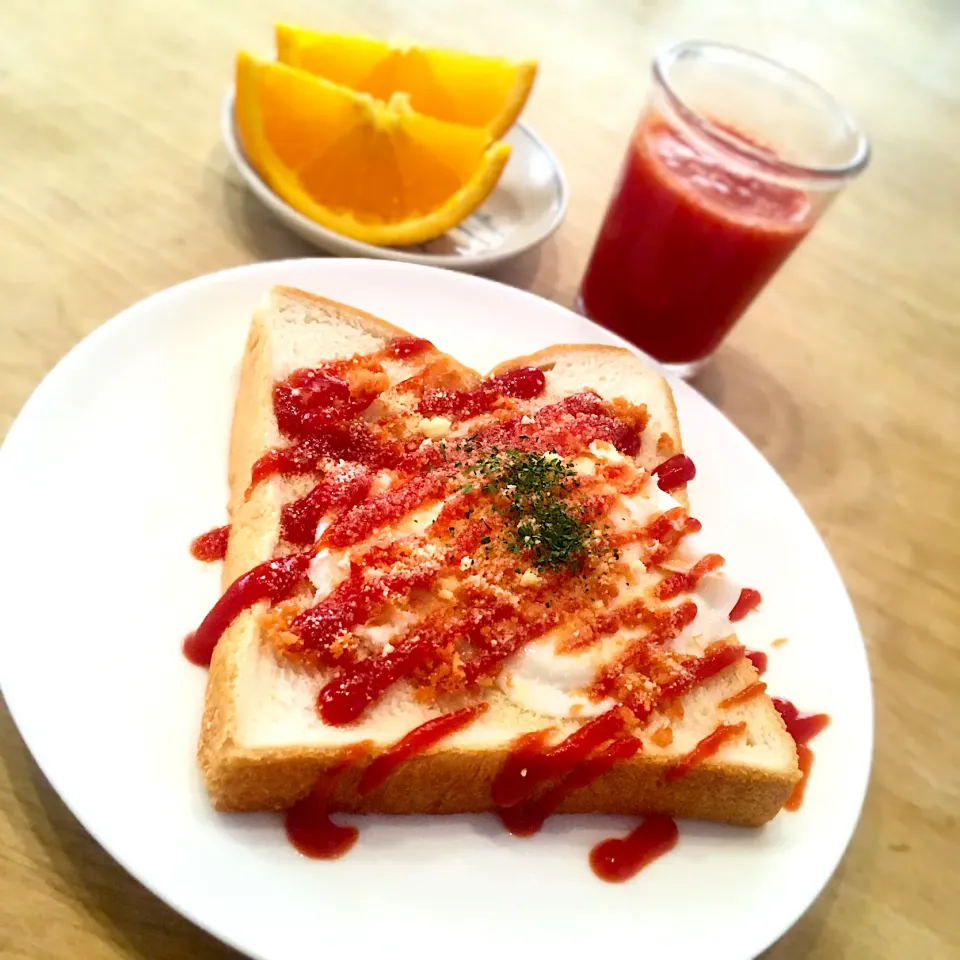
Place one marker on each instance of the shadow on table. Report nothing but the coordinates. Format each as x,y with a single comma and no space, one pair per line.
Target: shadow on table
245,216
759,404
127,913
266,238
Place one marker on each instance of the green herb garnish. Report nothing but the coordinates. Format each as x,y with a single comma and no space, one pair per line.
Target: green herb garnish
533,492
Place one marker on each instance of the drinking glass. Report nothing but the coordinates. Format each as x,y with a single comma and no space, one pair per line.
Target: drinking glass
734,159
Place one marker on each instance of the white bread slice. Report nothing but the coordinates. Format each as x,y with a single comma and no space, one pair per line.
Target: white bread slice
262,743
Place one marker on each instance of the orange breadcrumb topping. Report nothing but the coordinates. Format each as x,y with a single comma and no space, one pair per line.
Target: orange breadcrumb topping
662,736
275,624
634,414
444,674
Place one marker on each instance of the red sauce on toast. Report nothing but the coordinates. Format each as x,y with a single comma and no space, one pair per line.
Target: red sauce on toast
360,521
718,656
211,545
529,764
706,748
679,582
675,472
343,487
619,859
416,741
759,660
402,348
273,580
353,601
524,383
525,818
748,693
344,699
473,631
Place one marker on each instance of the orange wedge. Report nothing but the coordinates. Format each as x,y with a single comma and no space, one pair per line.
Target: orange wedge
374,171
462,88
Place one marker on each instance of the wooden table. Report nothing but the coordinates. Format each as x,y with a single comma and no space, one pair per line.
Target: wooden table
846,373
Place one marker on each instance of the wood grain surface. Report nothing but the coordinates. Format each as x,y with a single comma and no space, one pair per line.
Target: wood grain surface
846,372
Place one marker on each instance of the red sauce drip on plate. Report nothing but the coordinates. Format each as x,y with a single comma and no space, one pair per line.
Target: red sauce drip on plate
416,741
706,748
617,860
675,472
524,383
803,727
308,824
273,581
211,545
527,817
748,600
805,762
759,660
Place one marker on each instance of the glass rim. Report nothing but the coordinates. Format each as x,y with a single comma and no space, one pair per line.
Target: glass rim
664,59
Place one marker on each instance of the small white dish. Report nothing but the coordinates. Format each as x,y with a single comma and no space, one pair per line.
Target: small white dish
120,457
524,209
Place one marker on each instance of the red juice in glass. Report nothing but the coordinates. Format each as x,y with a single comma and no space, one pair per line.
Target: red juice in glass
703,215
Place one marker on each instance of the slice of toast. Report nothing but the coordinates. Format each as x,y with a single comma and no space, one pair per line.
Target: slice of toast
263,743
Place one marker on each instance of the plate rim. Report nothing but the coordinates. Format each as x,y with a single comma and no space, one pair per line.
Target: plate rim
128,317
279,208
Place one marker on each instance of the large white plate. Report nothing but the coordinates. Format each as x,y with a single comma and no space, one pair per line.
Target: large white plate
119,458
524,209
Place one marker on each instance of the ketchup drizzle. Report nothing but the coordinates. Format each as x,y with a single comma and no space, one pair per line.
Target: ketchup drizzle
342,487
675,472
211,545
803,727
524,383
618,859
748,600
707,747
274,581
416,741
759,660
678,582
749,692
308,824
345,698
527,817
529,765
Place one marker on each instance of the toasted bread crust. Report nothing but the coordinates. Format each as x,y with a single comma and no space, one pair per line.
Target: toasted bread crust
451,780
444,779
